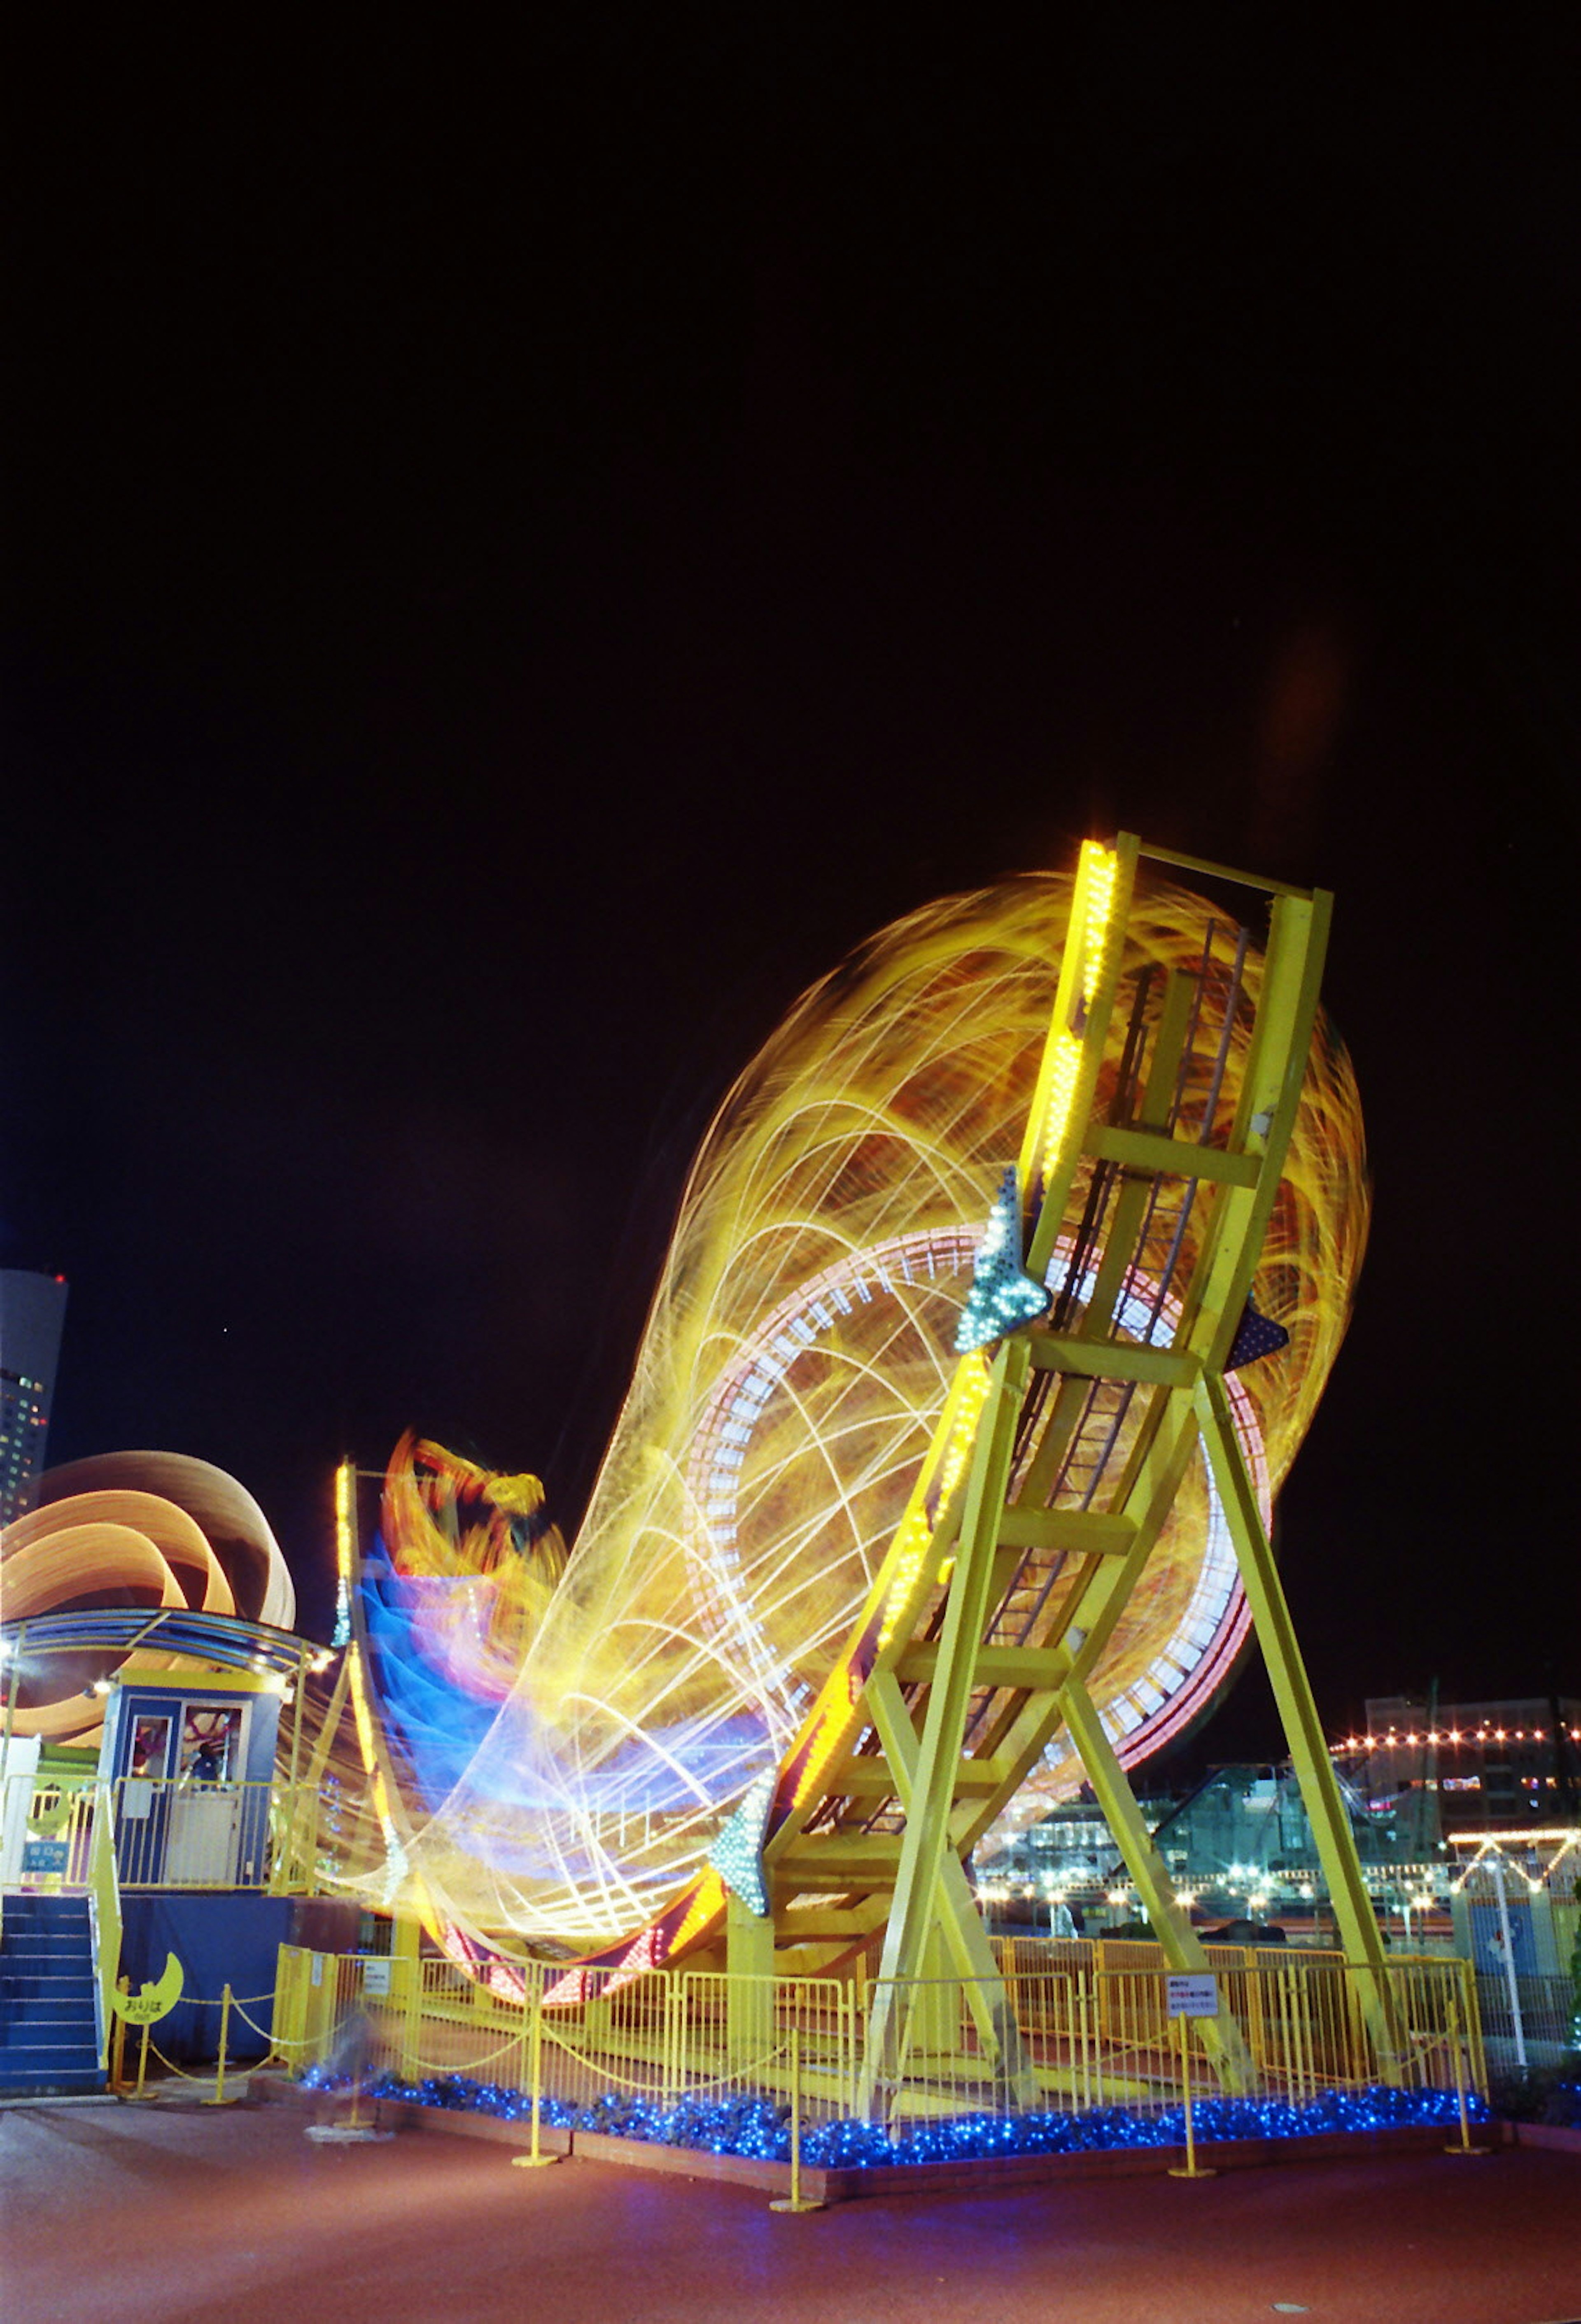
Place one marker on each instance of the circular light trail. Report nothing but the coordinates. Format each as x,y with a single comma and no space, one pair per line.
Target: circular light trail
794,1364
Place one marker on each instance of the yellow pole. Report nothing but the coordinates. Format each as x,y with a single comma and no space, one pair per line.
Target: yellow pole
795,2200
534,2159
118,2050
219,2097
1190,2170
1466,2147
1087,2052
142,2067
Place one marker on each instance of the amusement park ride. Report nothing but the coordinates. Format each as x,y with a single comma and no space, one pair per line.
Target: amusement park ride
847,1597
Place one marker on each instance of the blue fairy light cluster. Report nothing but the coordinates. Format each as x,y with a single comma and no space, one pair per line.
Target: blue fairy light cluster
738,1854
1004,1296
758,2126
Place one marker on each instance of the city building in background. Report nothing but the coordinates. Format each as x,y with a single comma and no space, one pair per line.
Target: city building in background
1442,1768
1239,1844
32,1314
1428,1791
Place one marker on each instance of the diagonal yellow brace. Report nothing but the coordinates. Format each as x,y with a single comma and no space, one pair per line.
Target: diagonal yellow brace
956,1919
924,1892
927,1823
1292,1690
1182,1947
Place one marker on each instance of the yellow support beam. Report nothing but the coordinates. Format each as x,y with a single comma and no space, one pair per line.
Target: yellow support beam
1116,1360
874,1778
958,1698
990,1666
1182,1947
927,1836
826,1863
1292,1692
1221,871
1087,1531
1173,1158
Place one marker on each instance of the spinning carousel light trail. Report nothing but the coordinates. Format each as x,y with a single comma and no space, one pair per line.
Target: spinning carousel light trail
608,1711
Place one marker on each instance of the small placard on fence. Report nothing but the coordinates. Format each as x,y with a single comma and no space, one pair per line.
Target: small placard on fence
1193,1996
377,1977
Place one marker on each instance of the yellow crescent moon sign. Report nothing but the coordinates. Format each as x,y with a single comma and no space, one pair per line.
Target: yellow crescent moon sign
154,2001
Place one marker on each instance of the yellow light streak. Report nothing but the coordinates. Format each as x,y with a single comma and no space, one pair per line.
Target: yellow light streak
1096,884
766,1477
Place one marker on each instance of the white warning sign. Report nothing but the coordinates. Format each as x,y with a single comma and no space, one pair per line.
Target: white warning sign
1193,1996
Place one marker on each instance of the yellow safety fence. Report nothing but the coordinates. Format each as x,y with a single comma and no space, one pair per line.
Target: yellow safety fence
233,2008
1058,2039
171,1833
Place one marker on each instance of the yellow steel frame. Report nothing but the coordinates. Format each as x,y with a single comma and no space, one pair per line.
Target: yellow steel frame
928,1723
917,1697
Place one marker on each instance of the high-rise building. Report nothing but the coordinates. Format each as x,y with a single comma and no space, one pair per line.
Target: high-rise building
1469,1766
33,1312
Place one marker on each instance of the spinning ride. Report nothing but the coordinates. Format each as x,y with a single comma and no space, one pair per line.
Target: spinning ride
859,1594
134,1533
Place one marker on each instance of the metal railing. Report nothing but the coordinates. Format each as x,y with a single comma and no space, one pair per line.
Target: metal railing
104,1916
1527,2020
171,1833
1066,2041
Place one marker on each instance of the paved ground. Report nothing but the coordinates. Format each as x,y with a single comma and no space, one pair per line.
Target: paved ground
120,2215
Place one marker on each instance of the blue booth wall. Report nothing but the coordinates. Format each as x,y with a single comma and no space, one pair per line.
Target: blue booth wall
227,1938
143,1832
137,1699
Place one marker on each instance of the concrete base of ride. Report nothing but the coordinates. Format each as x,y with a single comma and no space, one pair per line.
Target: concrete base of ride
985,2174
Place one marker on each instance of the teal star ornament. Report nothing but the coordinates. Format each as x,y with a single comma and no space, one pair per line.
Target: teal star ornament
1004,1296
738,1854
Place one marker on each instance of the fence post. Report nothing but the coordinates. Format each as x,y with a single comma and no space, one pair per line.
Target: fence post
1189,2170
534,2159
1507,1947
118,2045
671,2082
852,2019
1083,2016
219,2097
1466,2147
140,2092
795,2200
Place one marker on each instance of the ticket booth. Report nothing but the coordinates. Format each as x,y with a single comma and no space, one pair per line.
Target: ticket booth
188,1759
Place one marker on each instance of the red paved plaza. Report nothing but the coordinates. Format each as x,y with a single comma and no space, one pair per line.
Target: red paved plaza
120,2215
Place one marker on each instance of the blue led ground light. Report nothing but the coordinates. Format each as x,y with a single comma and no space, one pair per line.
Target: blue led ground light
760,2127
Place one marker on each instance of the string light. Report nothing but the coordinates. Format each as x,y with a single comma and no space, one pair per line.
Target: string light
757,2124
345,1549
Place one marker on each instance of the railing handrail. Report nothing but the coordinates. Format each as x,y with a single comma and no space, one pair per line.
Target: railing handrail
104,1919
274,1826
1084,2035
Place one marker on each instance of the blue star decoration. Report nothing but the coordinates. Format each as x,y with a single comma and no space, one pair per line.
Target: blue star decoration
1004,1296
1255,1336
738,1855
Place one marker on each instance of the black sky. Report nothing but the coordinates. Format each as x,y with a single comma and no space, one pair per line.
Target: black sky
518,559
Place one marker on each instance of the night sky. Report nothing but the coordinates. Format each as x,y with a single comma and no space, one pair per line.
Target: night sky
517,561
